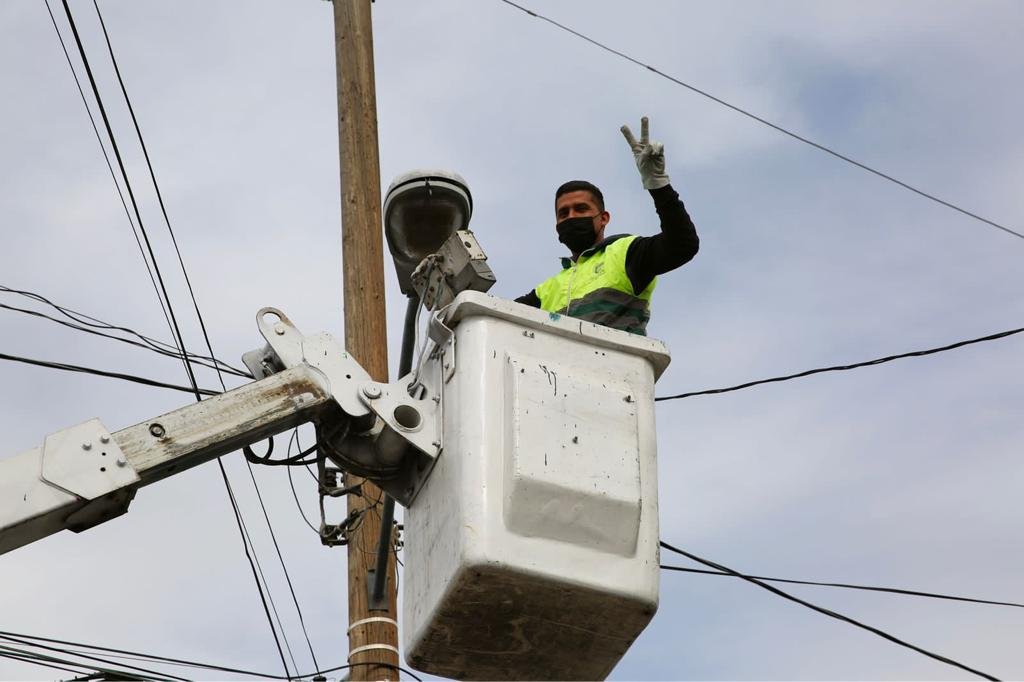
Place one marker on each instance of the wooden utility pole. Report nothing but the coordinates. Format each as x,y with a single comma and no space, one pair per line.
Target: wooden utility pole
372,635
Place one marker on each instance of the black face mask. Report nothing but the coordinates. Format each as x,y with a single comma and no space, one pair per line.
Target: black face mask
577,233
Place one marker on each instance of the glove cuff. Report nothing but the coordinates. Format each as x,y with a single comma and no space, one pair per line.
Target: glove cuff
656,182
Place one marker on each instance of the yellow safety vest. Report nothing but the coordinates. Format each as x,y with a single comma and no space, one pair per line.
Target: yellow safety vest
597,289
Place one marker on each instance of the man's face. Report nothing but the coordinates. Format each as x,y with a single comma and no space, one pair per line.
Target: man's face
579,204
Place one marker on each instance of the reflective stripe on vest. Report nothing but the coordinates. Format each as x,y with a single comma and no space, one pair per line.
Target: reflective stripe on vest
597,289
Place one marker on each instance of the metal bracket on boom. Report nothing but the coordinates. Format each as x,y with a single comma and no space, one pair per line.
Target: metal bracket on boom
381,432
85,462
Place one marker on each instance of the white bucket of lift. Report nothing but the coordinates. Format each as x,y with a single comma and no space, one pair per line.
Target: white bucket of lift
532,550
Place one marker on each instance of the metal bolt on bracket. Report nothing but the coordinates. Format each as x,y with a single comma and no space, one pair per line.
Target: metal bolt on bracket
87,446
157,430
371,392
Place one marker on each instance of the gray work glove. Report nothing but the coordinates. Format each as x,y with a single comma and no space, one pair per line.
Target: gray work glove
649,156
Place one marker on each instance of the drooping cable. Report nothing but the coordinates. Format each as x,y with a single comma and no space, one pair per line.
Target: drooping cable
291,483
152,673
840,368
110,651
848,586
80,321
154,658
829,613
764,121
104,373
139,344
195,304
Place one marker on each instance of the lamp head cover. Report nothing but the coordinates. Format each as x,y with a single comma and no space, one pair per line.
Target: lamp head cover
422,208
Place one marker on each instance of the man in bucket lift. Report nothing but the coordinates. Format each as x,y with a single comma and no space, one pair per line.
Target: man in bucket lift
610,280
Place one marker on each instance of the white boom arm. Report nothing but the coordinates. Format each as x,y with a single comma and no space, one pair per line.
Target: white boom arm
87,474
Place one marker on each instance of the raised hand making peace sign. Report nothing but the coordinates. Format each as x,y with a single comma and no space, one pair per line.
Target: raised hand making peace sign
649,156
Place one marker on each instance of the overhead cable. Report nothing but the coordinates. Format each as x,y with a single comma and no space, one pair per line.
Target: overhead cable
840,368
893,590
110,651
90,321
104,373
258,575
766,122
139,344
175,329
15,654
196,664
110,167
195,304
829,613
152,674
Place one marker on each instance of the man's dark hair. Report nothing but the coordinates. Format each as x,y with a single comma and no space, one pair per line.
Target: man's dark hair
578,185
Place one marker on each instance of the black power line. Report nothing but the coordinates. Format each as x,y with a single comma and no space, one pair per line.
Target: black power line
291,482
104,373
840,368
90,321
149,673
110,651
828,612
199,316
175,329
16,654
110,167
139,344
849,586
766,122
257,570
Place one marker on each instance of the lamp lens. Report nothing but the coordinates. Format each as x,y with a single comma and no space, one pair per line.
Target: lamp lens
423,218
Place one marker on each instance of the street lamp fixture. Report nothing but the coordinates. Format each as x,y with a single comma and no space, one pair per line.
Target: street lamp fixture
422,209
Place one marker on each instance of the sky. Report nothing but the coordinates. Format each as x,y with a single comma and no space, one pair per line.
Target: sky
906,474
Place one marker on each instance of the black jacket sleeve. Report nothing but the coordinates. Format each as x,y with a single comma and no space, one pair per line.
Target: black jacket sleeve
530,299
649,257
